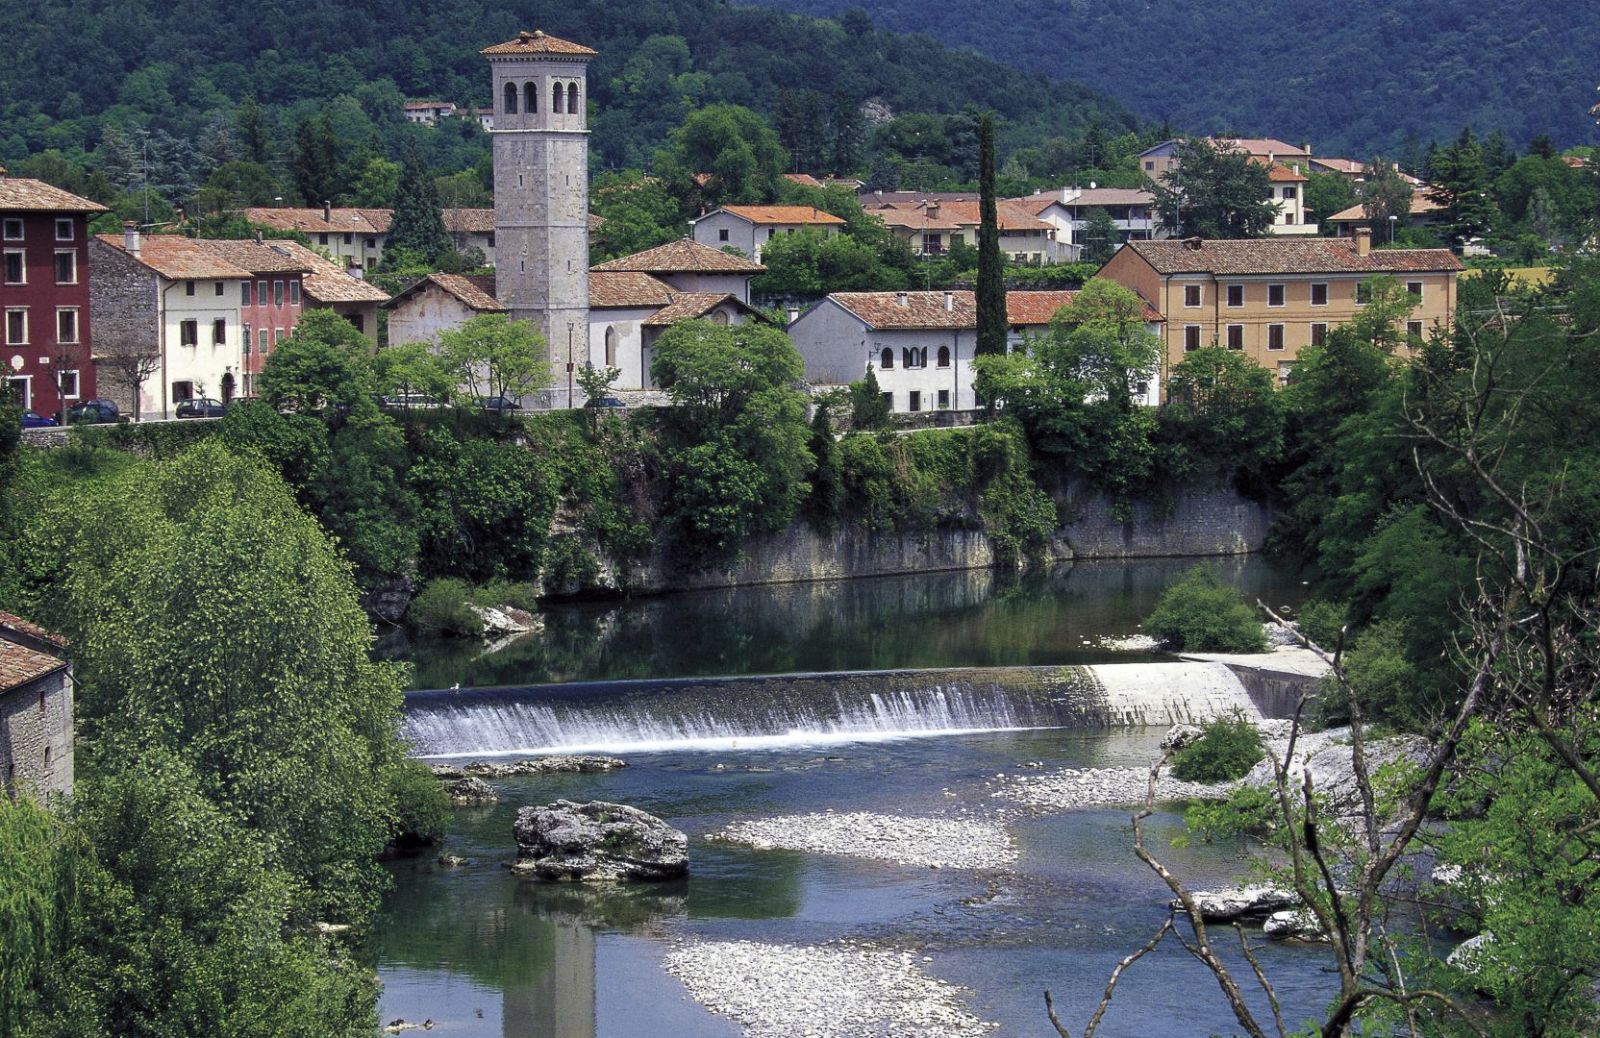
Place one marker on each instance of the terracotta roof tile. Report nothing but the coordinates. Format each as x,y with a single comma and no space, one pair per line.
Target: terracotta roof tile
468,221
180,259
13,622
686,306
617,289
885,311
474,290
1277,172
1089,196
328,282
537,42
950,215
1248,256
784,214
803,179
23,195
256,257
19,665
308,220
1421,204
1260,146
682,257
1338,165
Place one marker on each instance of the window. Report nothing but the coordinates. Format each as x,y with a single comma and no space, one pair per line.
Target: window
188,333
1288,194
1275,295
1285,372
277,293
558,103
64,231
188,288
219,332
908,358
20,387
371,243
611,346
1274,336
13,229
1319,334
247,337
1235,295
357,321
182,391
1414,329
771,231
244,293
511,99
261,341
913,401
530,97
277,337
886,359
888,401
944,400
1235,336
722,235
1149,165
66,267
16,267
68,381
221,287
349,237
67,325
294,293
1191,295
1191,337
1414,288
944,356
1363,293
16,327
1319,294
572,99
322,239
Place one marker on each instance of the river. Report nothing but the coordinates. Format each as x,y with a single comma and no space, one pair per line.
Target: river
481,953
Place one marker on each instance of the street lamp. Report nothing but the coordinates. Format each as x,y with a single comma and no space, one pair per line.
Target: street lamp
1393,219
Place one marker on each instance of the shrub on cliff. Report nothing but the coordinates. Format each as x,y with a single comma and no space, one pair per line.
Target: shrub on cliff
1200,613
1227,749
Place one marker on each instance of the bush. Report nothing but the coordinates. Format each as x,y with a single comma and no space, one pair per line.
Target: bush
1321,621
1200,613
443,606
421,806
1226,750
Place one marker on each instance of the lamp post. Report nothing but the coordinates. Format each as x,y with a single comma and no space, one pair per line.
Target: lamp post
1393,219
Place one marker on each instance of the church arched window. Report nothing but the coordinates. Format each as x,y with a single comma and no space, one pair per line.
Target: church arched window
530,97
557,98
611,346
886,359
572,99
511,99
944,356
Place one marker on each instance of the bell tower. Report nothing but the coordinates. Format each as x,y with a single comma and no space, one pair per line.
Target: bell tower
541,189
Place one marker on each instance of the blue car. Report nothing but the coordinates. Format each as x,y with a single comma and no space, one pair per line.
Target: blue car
35,420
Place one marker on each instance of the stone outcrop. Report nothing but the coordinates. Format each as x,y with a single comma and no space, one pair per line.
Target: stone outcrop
472,792
558,764
597,842
501,621
1225,906
1294,924
1332,767
1180,736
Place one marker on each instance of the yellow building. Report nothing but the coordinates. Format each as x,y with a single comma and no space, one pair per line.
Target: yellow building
1272,297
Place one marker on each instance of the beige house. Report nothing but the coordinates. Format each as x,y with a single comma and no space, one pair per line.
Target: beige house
356,238
1272,297
1289,196
932,226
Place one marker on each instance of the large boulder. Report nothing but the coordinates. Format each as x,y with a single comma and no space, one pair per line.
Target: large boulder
1225,906
1330,759
472,792
1180,736
503,620
597,842
1294,924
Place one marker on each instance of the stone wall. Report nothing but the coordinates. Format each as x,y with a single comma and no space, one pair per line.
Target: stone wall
126,313
36,736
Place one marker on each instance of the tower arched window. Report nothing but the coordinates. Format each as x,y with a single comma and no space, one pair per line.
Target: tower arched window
944,356
886,359
530,97
511,99
611,346
557,98
572,99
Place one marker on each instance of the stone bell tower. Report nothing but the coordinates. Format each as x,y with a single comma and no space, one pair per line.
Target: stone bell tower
541,190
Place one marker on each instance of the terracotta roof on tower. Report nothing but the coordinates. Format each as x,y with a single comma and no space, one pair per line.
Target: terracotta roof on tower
1247,256
537,42
683,256
18,195
618,289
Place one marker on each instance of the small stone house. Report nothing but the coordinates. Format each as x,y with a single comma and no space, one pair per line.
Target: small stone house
35,710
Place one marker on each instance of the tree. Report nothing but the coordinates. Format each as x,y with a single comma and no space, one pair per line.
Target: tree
993,326
848,129
825,503
1100,236
868,408
255,131
323,364
127,363
1384,194
1329,193
809,265
734,146
638,214
410,369
1213,193
316,160
1102,341
1222,405
494,356
1460,184
377,183
418,226
798,122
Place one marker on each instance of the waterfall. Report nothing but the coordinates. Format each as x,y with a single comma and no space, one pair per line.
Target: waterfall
802,709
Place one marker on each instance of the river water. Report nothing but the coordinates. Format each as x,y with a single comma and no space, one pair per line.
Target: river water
481,953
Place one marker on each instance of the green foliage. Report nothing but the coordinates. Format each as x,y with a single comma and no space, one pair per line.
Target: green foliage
443,606
1100,345
39,866
323,364
1329,193
1222,407
1227,749
485,507
1214,193
1100,236
638,212
993,327
1248,811
731,143
1322,621
418,225
1199,613
1460,184
422,807
825,503
493,356
868,409
810,264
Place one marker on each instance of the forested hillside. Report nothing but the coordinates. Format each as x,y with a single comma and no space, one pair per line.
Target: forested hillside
1358,76
72,67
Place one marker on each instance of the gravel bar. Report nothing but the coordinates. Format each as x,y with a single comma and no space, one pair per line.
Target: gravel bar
935,843
1104,787
837,991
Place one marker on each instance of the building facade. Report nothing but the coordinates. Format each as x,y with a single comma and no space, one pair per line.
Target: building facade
748,228
270,305
1270,298
46,340
933,226
36,737
1132,212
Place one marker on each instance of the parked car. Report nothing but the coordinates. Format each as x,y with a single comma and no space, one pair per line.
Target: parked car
35,420
604,401
93,412
501,404
202,407
410,402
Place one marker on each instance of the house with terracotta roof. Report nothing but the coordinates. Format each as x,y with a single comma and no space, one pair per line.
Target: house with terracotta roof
326,285
688,266
749,227
354,237
36,736
1067,209
46,336
1270,298
1286,165
920,345
1289,196
270,305
428,113
932,226
1424,212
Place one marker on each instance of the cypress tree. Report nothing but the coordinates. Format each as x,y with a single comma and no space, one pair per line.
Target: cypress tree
991,272
418,225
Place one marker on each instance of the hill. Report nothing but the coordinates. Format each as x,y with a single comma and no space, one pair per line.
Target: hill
1356,76
72,67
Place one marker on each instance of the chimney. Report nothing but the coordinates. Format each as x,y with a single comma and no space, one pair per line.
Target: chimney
1071,194
794,314
1363,241
1194,244
901,299
327,212
949,300
130,237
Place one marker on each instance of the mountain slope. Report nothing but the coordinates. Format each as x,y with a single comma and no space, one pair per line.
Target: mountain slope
1356,75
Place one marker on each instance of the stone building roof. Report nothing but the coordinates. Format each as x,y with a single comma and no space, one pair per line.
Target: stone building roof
684,256
178,258
686,306
256,257
1277,172
35,196
765,215
468,221
936,215
929,311
27,652
626,289
1244,257
326,281
536,43
1422,203
310,220
475,291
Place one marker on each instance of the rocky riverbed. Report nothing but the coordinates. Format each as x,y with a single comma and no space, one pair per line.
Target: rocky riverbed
1103,787
927,842
834,991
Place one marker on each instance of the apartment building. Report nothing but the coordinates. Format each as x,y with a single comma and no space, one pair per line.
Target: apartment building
1270,298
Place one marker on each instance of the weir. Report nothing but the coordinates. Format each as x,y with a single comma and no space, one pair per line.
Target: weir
645,716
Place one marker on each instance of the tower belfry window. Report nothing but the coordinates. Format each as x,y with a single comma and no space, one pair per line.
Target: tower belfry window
557,94
511,99
572,99
530,94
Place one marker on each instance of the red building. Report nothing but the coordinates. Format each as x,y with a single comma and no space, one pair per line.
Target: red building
44,294
270,303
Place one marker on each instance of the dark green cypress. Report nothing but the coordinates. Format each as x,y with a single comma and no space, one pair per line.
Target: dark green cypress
991,271
418,226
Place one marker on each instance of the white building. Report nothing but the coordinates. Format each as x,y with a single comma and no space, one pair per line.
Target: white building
688,266
749,227
428,113
920,345
932,225
1132,211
